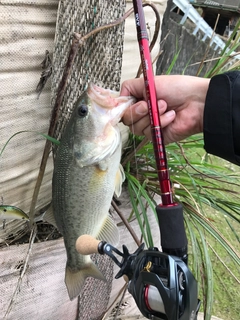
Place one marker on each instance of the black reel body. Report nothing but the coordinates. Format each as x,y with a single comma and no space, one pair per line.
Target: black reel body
163,287
161,284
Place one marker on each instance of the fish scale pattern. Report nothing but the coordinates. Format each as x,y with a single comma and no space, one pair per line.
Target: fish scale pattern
99,60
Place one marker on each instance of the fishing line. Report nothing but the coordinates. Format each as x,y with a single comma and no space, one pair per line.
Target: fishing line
140,71
134,144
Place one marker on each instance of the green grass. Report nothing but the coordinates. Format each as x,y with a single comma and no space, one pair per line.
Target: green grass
226,271
226,288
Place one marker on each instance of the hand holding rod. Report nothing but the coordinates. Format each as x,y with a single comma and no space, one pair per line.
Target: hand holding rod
170,213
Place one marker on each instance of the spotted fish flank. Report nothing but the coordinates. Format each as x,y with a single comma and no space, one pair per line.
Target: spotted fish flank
87,172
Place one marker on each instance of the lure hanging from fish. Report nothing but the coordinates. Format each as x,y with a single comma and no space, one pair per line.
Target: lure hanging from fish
8,212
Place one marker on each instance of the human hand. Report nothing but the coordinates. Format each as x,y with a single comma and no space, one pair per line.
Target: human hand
181,101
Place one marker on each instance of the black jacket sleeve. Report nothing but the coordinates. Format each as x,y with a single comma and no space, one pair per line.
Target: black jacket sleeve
221,122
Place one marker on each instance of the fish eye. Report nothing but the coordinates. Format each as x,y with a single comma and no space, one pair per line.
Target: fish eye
82,110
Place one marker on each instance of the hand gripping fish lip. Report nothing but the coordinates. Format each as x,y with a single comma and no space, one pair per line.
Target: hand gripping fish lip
109,99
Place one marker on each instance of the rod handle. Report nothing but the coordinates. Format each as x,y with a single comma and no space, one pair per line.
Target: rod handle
86,244
172,230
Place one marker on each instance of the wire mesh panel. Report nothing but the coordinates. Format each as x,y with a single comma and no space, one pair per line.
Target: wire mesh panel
99,59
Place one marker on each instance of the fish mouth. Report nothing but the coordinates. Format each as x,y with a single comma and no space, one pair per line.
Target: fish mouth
110,102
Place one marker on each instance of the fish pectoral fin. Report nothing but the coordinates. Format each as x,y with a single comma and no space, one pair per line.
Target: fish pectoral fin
75,280
120,177
49,217
109,232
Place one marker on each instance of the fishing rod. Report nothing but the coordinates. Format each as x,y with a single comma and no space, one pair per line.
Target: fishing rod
160,282
163,271
170,213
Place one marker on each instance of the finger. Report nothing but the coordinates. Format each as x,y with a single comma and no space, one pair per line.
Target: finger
162,106
138,118
133,87
147,133
138,127
165,120
135,113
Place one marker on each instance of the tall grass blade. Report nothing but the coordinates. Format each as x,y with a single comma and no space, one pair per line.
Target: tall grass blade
53,140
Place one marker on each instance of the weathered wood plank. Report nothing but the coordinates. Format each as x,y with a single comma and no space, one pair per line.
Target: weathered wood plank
42,294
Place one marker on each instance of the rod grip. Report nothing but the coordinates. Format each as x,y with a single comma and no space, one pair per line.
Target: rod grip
172,230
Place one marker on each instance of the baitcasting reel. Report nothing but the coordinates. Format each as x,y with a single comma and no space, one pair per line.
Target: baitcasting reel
162,285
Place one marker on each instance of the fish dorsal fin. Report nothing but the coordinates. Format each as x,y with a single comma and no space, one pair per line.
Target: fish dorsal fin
109,232
119,179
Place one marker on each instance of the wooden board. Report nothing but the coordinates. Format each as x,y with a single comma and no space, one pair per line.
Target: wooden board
42,294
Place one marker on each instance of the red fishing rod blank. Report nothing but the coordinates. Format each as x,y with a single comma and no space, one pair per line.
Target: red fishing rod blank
170,213
157,139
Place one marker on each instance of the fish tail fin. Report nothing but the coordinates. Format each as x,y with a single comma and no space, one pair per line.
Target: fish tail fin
75,279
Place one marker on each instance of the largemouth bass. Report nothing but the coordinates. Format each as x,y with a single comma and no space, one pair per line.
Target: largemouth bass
87,172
